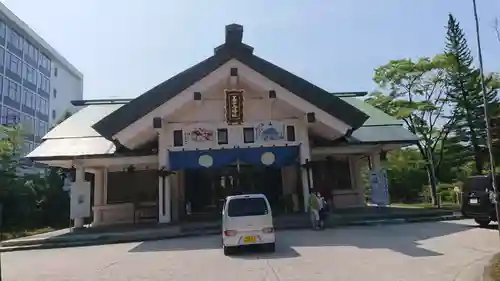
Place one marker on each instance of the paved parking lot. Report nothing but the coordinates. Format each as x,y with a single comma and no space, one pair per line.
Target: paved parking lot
423,251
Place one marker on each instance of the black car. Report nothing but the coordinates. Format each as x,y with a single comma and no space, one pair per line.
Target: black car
476,203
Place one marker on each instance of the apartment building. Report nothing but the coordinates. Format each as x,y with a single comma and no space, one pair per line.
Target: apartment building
36,82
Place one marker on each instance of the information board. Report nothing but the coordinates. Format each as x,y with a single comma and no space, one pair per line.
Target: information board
80,200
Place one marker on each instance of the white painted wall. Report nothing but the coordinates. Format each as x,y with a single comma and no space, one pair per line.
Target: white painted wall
69,87
209,114
141,131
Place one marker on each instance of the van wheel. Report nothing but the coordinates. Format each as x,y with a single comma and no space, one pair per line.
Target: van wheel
482,222
228,251
271,247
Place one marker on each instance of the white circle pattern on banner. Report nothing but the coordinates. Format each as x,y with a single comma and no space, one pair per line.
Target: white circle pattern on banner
267,158
206,161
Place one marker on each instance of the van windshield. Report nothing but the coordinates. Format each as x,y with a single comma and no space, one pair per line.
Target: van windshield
243,207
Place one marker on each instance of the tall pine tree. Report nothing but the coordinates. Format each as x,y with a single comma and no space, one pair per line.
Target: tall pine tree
465,95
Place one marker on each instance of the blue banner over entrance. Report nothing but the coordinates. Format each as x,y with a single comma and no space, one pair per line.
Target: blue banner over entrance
217,158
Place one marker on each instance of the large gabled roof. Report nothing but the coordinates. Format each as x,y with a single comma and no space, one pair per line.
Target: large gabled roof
75,137
233,48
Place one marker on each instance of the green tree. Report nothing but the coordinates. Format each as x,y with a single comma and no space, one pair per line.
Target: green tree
33,199
16,194
406,174
67,114
415,92
465,96
56,201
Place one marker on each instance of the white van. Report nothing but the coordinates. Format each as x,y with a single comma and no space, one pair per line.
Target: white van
247,220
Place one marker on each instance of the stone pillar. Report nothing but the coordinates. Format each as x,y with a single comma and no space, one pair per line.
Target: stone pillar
289,181
375,161
357,181
174,188
182,194
79,177
305,156
98,196
164,184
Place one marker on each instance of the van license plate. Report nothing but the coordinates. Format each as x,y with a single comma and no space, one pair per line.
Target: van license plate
473,201
250,239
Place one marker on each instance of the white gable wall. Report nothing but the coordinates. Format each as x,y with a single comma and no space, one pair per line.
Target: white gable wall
209,114
258,106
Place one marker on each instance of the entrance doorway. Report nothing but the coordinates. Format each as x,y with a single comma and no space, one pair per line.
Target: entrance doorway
206,189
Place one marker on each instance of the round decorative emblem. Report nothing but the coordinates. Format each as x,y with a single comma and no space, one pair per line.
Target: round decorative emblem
267,158
206,161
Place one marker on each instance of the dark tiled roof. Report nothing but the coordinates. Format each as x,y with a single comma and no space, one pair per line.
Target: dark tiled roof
232,49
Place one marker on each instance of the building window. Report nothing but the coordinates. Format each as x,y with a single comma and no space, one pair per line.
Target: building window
44,83
3,115
14,64
33,101
53,114
38,103
55,71
290,133
29,74
15,39
30,51
121,186
54,93
222,136
334,173
2,29
44,61
28,99
12,90
248,135
43,106
27,147
42,128
2,56
36,127
6,83
10,116
27,123
178,139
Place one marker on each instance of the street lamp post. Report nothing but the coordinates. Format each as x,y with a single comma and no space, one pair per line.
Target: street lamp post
487,118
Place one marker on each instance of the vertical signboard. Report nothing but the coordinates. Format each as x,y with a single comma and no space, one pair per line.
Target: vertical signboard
380,190
234,107
80,200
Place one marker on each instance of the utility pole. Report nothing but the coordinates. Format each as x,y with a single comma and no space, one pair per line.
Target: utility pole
487,119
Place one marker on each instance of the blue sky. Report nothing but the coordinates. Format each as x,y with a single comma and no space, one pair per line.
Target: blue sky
125,49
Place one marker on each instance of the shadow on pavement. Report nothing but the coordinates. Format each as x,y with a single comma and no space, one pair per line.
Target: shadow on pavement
180,244
402,238
283,250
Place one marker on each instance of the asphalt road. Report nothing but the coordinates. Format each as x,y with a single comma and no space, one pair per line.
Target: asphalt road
422,251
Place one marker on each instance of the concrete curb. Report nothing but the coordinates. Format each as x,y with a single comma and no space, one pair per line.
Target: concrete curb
32,244
403,220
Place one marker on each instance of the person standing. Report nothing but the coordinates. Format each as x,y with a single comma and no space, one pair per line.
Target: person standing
314,209
323,211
